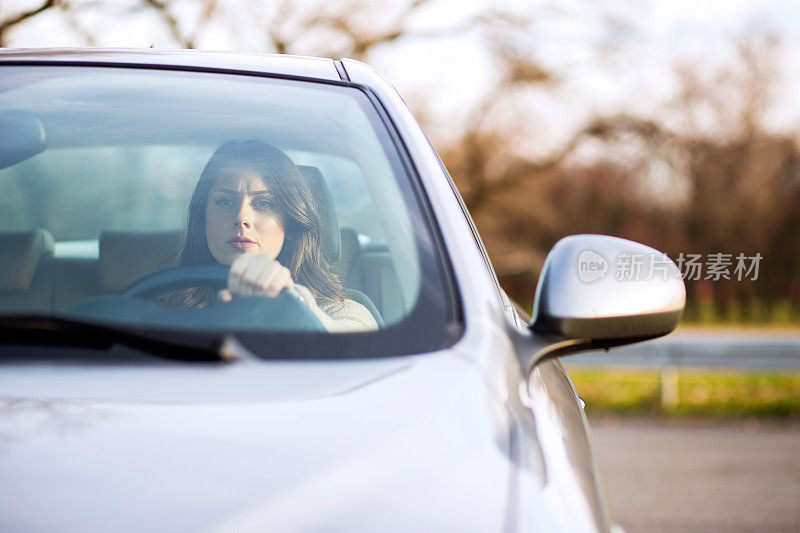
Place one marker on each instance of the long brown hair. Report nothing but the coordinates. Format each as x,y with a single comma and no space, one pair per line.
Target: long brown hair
303,248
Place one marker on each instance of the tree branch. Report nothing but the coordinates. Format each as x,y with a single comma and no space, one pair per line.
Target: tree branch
161,8
10,23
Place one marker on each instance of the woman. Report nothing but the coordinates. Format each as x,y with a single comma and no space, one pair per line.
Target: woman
253,210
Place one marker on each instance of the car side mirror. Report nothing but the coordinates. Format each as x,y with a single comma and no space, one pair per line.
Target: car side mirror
607,291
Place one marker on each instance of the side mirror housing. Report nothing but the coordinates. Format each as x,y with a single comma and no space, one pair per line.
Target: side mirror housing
608,291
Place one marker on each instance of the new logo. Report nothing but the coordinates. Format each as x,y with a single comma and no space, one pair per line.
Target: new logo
591,266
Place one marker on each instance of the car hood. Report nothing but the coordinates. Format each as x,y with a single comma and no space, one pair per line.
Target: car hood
398,444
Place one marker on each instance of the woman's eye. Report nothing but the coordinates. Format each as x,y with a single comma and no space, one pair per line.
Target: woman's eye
263,204
223,202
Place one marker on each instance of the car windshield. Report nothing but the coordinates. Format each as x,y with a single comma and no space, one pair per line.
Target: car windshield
126,194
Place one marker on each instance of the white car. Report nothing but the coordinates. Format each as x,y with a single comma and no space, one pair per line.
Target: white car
444,410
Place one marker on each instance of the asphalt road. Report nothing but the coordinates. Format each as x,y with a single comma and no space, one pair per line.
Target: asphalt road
769,349
731,477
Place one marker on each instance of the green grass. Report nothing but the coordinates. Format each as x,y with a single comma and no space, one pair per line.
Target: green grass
701,393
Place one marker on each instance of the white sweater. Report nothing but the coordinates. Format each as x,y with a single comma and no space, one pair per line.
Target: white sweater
351,317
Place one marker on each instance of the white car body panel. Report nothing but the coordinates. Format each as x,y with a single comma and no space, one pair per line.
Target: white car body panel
372,456
455,440
306,67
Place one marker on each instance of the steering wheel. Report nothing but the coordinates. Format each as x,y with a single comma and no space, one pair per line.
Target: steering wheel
181,277
285,312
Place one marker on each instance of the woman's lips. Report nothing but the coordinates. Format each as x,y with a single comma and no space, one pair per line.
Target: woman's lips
241,243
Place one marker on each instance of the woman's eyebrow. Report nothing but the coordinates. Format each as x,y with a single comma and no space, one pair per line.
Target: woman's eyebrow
231,191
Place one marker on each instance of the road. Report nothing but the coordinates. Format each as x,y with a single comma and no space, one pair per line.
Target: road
732,477
768,349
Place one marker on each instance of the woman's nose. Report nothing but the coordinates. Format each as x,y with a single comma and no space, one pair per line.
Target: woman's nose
243,217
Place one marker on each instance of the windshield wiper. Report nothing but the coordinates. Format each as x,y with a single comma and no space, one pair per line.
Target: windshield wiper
62,331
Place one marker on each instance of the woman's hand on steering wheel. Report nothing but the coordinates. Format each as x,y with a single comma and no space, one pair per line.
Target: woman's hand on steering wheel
256,275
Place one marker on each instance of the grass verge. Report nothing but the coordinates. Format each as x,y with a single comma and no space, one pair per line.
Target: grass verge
688,392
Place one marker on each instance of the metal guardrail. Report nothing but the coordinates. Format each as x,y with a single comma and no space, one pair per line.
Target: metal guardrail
715,348
765,350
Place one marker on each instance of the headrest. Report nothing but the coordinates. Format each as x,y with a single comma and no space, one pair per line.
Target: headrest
322,194
126,256
349,249
20,252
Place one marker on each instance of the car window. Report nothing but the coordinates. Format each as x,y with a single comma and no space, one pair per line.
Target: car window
98,202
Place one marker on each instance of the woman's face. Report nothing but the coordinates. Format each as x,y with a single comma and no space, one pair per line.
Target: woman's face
241,216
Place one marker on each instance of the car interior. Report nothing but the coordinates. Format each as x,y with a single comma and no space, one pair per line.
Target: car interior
33,278
83,149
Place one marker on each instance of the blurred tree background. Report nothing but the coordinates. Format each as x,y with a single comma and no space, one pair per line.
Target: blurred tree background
691,148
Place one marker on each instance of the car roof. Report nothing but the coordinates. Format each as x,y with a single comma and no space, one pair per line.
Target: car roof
277,64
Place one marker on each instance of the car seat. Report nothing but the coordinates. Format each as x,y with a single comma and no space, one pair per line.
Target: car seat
333,241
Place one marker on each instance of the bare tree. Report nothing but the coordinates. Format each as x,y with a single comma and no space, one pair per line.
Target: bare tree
14,20
186,37
742,177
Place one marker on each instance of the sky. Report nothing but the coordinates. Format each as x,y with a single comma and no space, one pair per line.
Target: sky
636,71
